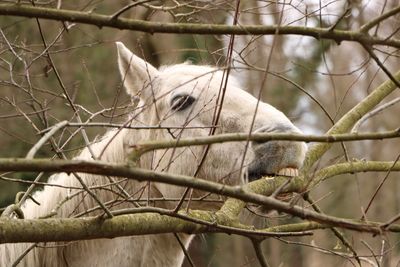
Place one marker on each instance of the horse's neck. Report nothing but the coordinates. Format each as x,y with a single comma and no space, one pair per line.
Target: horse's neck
131,251
110,148
147,251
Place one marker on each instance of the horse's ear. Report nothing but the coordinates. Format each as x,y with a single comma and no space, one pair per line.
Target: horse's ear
135,72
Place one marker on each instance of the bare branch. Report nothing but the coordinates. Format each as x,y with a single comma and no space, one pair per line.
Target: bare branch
144,147
374,112
354,167
372,23
45,138
103,168
158,27
259,253
70,229
127,7
336,232
350,118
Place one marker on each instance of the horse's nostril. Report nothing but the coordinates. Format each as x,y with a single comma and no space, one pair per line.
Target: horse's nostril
276,157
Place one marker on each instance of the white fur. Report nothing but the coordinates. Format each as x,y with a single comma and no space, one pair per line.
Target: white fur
156,88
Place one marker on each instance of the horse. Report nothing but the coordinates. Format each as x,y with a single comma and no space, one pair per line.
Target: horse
177,101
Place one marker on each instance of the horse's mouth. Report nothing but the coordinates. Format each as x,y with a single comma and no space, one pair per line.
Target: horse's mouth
282,196
290,172
257,174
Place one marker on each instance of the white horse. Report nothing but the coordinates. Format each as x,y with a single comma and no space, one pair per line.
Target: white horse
183,97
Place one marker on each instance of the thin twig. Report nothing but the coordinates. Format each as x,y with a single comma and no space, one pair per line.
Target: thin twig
345,13
336,232
45,138
372,23
218,107
373,113
380,186
69,99
93,195
23,254
372,252
10,116
259,253
127,7
184,250
368,48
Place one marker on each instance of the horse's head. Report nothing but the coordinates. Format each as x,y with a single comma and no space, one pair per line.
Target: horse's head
185,97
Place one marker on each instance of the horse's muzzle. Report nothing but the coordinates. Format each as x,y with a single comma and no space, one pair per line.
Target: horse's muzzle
276,157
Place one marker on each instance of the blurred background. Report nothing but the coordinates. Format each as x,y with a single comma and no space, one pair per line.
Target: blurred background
313,81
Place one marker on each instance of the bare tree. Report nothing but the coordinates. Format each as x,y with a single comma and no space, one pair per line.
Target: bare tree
332,67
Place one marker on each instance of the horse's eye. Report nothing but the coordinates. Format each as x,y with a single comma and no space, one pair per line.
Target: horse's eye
181,102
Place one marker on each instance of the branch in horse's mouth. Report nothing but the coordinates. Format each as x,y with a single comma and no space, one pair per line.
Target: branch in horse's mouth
257,174
291,172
